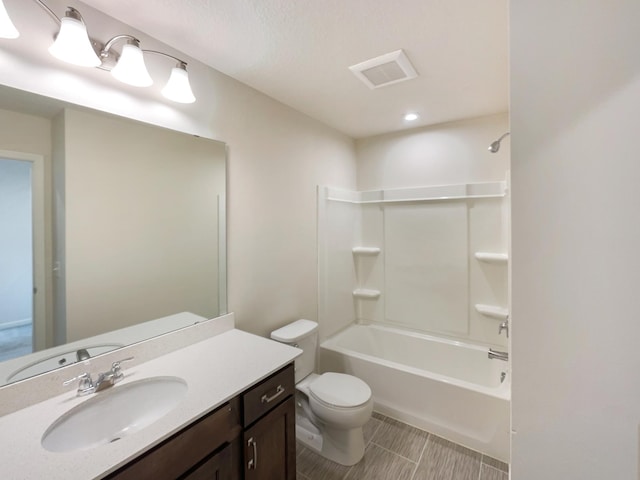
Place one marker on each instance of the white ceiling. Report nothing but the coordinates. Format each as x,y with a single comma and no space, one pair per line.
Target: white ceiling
299,51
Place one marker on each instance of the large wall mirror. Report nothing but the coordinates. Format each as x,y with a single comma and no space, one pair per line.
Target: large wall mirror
112,231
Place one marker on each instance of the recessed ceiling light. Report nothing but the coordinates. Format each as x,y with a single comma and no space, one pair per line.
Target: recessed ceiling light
410,117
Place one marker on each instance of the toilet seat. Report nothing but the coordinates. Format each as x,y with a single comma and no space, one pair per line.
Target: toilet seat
340,390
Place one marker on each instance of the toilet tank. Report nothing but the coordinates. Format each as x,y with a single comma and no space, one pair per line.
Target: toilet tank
302,334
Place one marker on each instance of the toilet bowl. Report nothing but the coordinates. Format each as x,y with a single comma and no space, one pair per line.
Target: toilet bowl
331,408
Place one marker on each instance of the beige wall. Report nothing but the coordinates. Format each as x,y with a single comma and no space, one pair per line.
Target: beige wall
449,153
25,133
277,158
575,97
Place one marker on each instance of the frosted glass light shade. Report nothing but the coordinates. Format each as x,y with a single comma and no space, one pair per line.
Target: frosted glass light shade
178,88
72,44
131,68
7,28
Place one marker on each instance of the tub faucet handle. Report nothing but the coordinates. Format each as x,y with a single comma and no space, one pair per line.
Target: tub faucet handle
504,326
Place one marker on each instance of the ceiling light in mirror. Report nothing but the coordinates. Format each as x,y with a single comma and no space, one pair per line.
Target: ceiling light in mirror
7,28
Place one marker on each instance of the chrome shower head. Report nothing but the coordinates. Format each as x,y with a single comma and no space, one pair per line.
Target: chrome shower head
495,146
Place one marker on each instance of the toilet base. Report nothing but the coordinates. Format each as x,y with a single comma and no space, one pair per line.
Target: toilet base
340,446
311,440
345,447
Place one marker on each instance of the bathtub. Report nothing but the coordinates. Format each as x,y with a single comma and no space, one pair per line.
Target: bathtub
449,388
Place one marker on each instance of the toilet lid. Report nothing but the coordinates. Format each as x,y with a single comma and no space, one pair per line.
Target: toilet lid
340,390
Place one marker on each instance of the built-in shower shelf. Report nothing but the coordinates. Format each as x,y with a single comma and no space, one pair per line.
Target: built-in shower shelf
492,311
492,257
366,250
366,293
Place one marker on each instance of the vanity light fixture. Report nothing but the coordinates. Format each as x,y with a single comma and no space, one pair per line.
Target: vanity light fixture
7,28
411,117
74,45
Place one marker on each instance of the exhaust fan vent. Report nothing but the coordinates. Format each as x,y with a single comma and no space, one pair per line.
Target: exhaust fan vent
385,70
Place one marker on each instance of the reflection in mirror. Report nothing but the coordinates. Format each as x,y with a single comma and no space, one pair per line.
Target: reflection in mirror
112,232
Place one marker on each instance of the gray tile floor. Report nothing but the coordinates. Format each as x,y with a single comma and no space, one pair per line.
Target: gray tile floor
396,451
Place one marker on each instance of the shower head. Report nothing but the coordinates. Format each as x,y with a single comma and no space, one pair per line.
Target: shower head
495,146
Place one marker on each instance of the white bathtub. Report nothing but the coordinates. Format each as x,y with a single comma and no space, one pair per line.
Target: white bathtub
443,386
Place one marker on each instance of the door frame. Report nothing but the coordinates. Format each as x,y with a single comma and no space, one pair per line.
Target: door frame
38,242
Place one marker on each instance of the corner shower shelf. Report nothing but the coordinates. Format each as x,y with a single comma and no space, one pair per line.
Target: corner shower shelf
492,311
366,293
492,257
365,250
430,193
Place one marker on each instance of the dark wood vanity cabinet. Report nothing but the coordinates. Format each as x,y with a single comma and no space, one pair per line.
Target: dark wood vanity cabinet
270,430
252,436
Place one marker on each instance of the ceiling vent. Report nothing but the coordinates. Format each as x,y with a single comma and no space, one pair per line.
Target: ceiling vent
385,70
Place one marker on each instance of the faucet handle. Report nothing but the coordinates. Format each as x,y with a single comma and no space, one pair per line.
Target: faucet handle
116,370
85,383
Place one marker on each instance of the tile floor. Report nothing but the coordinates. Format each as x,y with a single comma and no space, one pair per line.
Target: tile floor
396,451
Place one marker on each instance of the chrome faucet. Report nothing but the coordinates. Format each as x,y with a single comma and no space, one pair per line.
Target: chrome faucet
497,354
87,386
504,326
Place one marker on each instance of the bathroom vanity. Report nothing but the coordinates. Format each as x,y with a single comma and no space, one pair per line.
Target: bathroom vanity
252,436
236,420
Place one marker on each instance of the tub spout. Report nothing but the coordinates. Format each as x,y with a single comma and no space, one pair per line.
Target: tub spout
498,354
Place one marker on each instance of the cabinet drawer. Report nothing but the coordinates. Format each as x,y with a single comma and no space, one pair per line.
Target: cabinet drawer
268,394
184,450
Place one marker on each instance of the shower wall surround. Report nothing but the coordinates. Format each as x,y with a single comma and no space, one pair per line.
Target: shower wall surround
431,259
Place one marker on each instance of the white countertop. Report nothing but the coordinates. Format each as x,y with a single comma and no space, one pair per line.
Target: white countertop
216,370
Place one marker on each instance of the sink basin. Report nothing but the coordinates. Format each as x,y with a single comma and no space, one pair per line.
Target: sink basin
114,413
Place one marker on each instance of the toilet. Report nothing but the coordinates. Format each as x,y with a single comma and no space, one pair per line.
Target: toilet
331,408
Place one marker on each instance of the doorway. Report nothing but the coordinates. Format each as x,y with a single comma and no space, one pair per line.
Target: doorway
22,326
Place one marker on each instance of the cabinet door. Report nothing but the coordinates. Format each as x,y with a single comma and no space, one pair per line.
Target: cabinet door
270,445
216,467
